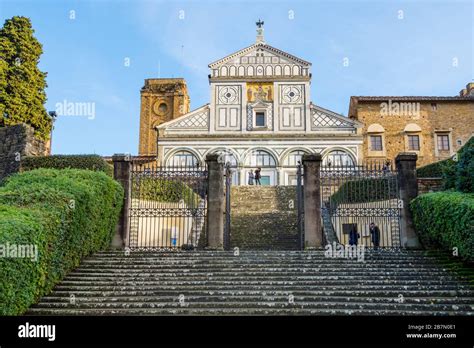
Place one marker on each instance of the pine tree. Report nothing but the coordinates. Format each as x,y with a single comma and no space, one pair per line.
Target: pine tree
22,84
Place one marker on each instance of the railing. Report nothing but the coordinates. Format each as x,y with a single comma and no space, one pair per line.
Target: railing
228,185
300,204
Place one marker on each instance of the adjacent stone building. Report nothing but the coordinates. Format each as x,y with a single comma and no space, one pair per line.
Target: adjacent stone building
433,127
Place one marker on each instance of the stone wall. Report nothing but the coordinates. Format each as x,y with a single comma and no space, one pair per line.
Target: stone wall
264,217
16,142
426,185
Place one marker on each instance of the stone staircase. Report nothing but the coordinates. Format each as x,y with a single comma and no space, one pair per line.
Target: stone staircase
260,283
264,217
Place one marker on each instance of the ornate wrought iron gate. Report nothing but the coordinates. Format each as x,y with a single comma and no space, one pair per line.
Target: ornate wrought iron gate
168,207
354,197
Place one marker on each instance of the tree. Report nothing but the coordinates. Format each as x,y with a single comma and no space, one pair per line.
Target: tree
22,84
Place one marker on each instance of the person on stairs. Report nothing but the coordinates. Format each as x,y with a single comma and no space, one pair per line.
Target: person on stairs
258,176
353,236
375,234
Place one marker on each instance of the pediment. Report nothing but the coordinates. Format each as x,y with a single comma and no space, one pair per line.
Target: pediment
326,119
259,54
195,120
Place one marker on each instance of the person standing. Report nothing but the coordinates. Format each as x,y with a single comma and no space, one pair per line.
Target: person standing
375,234
251,178
258,176
353,236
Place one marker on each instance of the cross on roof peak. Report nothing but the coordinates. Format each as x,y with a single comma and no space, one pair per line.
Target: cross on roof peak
260,38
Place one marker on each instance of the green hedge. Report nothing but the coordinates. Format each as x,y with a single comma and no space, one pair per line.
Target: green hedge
91,162
446,219
162,190
435,170
67,214
465,168
458,174
366,190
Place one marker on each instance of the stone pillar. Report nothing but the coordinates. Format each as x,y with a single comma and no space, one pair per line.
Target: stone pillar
122,172
408,186
215,203
312,200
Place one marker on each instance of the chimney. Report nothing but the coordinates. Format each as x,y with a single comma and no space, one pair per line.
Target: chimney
468,91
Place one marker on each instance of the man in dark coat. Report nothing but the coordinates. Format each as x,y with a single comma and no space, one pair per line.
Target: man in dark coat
375,234
258,176
353,236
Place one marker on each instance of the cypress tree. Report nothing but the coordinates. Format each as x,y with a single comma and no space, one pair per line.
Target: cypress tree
22,83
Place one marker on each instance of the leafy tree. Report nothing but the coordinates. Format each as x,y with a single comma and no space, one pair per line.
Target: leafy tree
22,84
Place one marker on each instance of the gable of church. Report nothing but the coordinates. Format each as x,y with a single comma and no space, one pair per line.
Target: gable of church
197,120
323,119
260,60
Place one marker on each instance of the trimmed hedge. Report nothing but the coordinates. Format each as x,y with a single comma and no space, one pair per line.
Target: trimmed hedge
366,190
446,219
162,190
91,162
67,214
457,175
435,170
465,168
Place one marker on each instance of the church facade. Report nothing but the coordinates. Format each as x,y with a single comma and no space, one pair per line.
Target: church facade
260,115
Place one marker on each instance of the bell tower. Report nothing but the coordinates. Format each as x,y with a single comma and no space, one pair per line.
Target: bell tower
162,100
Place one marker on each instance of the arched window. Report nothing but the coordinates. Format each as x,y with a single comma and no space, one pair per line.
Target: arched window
228,157
338,158
260,158
183,159
292,159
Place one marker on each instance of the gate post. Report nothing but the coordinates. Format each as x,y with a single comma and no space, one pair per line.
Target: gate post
312,200
215,202
122,168
406,168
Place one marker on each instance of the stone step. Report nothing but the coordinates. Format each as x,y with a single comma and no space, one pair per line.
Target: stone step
272,304
180,252
246,258
240,311
260,282
258,298
251,275
373,293
276,283
230,258
266,287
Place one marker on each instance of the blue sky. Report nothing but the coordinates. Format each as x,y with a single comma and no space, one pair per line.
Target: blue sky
392,47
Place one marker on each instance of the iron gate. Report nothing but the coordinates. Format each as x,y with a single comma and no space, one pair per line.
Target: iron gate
353,197
168,207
